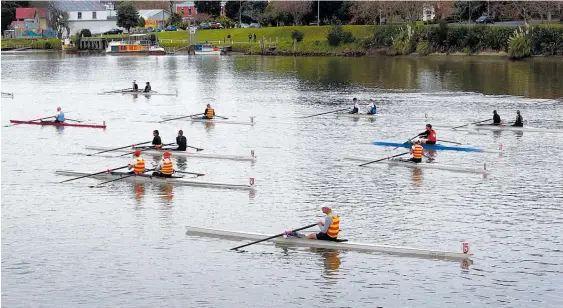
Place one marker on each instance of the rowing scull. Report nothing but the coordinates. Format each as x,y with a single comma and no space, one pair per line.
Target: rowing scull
512,128
396,162
433,147
59,124
251,122
250,157
397,250
147,178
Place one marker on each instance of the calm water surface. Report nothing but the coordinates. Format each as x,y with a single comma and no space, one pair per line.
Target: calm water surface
124,245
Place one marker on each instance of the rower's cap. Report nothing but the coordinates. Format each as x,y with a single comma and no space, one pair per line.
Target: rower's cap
137,152
208,105
325,207
167,154
156,132
355,99
429,125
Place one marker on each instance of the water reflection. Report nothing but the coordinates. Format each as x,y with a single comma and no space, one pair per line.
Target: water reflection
166,193
331,262
139,190
417,177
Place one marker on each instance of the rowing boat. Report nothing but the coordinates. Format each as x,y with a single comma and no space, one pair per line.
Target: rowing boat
357,115
433,147
8,94
251,157
409,164
59,124
512,128
151,93
147,178
293,241
251,123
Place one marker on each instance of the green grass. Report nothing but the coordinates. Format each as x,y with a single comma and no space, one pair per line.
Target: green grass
40,43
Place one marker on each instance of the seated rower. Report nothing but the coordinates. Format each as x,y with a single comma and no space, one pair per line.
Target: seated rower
519,120
135,86
429,134
356,107
60,117
371,108
329,228
209,113
147,88
181,141
165,167
156,142
416,151
496,118
138,164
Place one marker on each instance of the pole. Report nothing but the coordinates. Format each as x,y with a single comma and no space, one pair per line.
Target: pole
240,13
318,13
469,13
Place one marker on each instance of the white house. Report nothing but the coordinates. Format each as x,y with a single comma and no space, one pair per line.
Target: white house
88,15
428,13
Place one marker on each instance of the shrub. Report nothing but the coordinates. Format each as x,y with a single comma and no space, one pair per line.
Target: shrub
85,33
519,45
403,43
141,22
337,35
423,48
297,35
347,37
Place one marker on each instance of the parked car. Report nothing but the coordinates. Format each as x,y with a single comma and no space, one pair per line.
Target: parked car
216,25
171,28
243,25
254,25
204,25
114,31
484,20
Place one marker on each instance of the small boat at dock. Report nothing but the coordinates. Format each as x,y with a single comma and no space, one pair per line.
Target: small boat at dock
136,44
208,49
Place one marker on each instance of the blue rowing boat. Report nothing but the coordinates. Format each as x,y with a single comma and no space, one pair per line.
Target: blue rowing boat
429,146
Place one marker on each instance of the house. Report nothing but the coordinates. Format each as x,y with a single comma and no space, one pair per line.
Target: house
31,23
154,18
187,9
37,15
92,15
428,13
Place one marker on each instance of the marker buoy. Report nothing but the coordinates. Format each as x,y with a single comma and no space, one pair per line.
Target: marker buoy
251,181
465,247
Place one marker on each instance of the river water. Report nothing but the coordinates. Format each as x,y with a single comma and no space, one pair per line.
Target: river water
124,245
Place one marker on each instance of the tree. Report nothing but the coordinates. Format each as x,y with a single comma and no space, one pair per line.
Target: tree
127,15
175,19
410,10
141,22
368,12
58,20
328,9
297,9
208,7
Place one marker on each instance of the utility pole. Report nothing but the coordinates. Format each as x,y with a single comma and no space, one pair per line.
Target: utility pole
488,8
469,12
240,13
318,13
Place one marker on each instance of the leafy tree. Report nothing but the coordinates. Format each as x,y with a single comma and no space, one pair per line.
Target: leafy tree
58,20
208,7
9,11
328,9
141,22
85,33
175,19
127,15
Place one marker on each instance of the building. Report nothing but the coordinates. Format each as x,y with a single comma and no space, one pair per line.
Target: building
428,13
187,9
92,15
31,23
154,18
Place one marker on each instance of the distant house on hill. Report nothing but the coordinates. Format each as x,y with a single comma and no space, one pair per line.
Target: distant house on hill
92,15
30,23
187,10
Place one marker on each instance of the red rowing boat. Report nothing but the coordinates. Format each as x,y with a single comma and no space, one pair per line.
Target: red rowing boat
59,124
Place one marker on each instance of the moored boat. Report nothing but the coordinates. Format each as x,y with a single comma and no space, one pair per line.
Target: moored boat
147,178
68,46
433,147
136,44
186,154
409,164
293,241
208,49
59,124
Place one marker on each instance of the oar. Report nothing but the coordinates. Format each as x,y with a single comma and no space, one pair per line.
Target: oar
85,176
30,121
128,146
74,120
145,148
274,236
116,90
371,162
121,178
222,117
472,123
314,115
197,149
446,141
198,174
189,116
405,142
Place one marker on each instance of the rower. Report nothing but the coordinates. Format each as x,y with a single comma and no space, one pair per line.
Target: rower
135,86
416,151
138,164
60,117
165,167
356,107
519,120
147,88
496,118
329,228
429,134
209,113
372,109
156,141
181,141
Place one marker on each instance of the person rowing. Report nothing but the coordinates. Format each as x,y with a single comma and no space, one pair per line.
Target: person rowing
372,109
181,141
165,167
209,113
147,88
138,163
496,118
416,151
60,117
156,141
356,107
429,134
329,228
135,86
519,120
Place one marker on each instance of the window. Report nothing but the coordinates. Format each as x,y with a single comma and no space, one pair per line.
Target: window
79,15
190,12
93,15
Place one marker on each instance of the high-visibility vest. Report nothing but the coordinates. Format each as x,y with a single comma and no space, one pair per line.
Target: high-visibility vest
210,113
417,151
167,167
334,227
139,166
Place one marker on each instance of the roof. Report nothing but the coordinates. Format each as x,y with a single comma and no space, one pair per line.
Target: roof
29,12
146,14
188,3
79,6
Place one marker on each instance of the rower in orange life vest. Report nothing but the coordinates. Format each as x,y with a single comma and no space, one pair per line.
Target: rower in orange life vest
165,167
138,164
329,228
430,134
416,151
209,113
156,141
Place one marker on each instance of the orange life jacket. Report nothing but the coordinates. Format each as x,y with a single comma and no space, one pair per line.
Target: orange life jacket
210,113
139,166
334,227
167,166
417,151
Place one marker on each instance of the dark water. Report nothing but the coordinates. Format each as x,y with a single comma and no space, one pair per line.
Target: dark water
124,245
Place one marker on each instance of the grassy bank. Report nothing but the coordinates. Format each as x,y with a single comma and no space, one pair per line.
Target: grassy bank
51,43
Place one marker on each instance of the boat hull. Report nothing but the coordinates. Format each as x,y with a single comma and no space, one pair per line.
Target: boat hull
290,241
514,128
358,115
251,123
59,124
145,178
394,162
145,93
432,147
179,153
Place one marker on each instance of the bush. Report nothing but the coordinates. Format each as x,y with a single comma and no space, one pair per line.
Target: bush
141,22
423,48
85,33
519,46
297,35
337,35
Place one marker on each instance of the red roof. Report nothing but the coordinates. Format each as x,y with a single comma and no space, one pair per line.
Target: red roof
29,13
